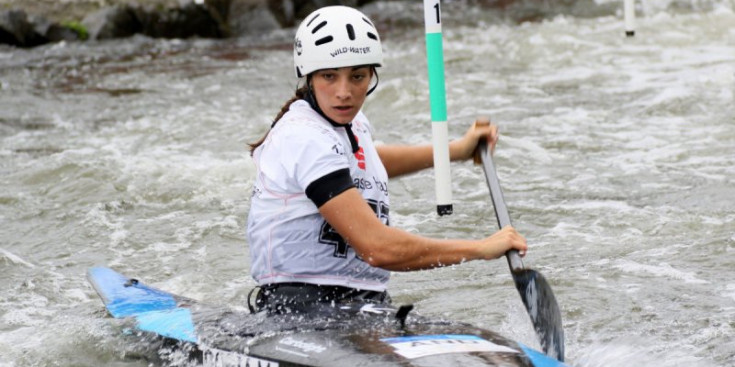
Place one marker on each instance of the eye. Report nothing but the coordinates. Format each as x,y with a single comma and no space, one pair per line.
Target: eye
360,75
327,75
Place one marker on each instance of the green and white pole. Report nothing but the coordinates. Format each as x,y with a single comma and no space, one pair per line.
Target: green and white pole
438,99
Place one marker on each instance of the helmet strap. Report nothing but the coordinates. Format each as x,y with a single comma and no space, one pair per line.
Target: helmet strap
377,80
311,99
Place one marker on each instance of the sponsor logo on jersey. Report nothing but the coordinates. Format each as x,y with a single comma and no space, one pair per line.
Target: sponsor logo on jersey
360,155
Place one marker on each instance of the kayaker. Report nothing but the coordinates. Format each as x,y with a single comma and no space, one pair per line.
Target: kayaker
318,226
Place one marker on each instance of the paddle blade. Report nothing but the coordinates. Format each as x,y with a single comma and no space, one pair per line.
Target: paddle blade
543,309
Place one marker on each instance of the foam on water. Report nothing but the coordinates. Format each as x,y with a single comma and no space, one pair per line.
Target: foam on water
660,270
14,259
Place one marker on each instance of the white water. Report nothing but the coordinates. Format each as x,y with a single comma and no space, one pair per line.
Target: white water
617,160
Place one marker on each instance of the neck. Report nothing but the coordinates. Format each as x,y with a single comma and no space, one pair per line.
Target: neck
311,99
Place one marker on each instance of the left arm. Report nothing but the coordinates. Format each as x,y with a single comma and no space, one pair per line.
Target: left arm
403,159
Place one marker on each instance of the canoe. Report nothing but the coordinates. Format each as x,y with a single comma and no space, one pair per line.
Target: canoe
351,334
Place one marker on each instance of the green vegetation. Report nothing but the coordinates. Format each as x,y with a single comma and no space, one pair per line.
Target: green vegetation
78,28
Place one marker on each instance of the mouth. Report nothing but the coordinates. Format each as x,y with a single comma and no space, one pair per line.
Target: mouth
343,108
343,113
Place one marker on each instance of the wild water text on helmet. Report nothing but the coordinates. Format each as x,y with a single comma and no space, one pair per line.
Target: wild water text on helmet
352,50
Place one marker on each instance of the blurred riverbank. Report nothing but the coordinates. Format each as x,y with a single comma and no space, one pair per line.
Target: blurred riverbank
26,23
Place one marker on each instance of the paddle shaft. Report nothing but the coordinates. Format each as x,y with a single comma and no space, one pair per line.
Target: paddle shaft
501,211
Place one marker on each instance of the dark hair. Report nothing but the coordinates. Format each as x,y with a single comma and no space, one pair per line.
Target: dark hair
299,94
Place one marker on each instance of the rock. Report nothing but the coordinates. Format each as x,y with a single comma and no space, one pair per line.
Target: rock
114,22
58,33
283,11
305,7
251,17
290,12
188,20
17,30
52,32
219,10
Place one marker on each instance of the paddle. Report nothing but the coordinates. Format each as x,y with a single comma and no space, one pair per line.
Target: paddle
535,291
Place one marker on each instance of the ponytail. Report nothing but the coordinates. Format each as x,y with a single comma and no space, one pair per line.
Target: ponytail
300,94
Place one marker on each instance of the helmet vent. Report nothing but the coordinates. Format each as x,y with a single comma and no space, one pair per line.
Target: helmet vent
318,27
324,40
313,19
350,32
372,36
368,22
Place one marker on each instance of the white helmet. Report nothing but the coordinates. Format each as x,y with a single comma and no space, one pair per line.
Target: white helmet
335,37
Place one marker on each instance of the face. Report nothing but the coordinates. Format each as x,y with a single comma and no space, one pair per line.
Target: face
341,92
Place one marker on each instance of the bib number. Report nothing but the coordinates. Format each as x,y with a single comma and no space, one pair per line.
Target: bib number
329,236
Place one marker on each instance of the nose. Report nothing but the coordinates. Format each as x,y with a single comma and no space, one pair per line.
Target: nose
343,89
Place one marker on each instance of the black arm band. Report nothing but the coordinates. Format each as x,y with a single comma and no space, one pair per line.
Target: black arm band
328,186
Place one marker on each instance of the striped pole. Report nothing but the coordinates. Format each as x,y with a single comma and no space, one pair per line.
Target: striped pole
438,99
629,10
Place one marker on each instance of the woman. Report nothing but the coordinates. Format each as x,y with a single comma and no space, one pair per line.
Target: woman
318,224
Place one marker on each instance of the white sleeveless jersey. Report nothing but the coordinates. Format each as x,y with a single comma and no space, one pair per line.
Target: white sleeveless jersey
289,240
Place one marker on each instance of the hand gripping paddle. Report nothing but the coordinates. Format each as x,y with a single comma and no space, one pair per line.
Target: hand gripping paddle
535,291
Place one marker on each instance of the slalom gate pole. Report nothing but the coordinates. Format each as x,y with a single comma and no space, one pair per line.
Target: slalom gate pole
438,99
629,10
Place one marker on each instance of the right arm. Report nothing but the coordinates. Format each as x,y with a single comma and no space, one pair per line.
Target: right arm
403,159
397,250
